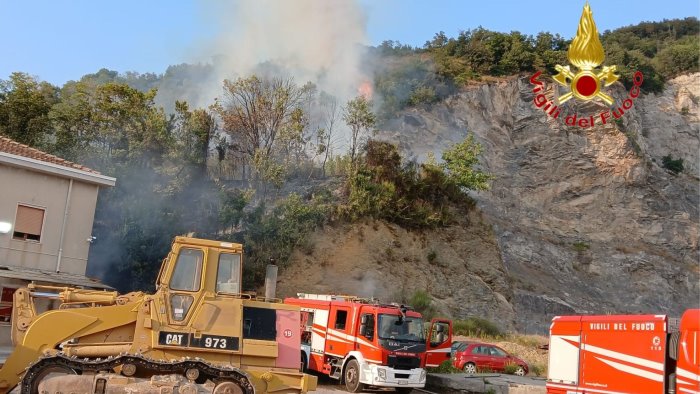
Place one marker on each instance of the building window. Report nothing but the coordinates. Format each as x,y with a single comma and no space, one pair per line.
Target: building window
28,223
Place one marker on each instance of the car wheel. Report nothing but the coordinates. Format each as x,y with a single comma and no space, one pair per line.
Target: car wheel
470,368
352,377
520,371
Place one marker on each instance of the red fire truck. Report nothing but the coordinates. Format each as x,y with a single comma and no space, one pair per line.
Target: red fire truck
362,342
644,354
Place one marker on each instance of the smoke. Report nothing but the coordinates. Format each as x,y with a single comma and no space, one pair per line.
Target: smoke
309,40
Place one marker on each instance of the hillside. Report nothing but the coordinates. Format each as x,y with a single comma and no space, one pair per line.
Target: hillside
576,221
459,266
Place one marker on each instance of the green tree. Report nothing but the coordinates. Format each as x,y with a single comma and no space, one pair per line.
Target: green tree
678,58
480,50
130,129
24,108
268,171
358,115
73,121
233,203
460,163
519,55
193,132
292,139
439,40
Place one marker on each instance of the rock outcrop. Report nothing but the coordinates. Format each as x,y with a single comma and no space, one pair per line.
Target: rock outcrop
584,220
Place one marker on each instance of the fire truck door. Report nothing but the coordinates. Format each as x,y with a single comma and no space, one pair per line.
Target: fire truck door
338,341
439,342
319,331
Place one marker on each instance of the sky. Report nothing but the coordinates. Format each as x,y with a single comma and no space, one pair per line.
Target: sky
59,41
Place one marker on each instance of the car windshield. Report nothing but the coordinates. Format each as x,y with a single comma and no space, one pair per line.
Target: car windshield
410,329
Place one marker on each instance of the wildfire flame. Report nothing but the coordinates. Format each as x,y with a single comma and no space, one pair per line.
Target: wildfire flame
586,51
365,89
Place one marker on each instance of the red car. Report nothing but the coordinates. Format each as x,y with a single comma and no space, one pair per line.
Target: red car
475,356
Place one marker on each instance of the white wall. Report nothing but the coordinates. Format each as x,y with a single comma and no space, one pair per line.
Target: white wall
49,192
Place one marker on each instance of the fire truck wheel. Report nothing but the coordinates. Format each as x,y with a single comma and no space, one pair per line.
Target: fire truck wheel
470,368
352,377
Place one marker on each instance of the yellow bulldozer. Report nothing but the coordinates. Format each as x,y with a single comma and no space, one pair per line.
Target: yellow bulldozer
198,333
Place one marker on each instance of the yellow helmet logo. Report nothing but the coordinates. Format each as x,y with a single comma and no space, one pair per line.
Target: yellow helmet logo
586,53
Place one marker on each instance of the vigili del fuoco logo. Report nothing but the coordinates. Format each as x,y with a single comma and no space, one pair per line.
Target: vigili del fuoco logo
587,80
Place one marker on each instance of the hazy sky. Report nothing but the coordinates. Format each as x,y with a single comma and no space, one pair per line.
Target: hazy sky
62,40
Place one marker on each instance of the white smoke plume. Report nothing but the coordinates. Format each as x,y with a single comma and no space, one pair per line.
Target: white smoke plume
310,40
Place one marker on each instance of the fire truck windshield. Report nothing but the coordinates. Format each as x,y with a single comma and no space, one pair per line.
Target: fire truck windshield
406,329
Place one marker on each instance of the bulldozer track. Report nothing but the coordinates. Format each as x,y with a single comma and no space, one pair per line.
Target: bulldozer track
82,365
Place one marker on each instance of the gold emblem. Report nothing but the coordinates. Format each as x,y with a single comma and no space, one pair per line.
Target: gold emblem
586,53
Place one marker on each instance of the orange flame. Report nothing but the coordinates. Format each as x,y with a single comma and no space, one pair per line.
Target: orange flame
365,89
586,51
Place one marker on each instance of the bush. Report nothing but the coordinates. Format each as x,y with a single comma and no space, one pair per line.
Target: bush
276,233
510,368
581,246
679,58
477,327
408,194
432,256
538,369
444,367
421,302
675,166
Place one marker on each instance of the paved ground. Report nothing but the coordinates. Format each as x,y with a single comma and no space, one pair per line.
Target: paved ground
498,383
329,386
486,383
334,388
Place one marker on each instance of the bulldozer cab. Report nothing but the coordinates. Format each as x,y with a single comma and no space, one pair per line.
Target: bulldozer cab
195,268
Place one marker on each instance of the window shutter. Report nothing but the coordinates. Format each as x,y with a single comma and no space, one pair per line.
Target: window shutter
29,220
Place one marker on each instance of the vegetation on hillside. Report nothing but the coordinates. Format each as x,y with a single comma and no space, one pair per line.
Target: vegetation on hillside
384,186
219,172
418,76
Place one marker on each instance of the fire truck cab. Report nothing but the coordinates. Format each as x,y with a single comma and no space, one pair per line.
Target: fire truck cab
364,343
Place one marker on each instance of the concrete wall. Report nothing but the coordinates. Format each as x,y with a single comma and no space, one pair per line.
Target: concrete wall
20,186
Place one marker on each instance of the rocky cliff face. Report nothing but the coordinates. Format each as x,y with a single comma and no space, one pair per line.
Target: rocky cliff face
583,220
